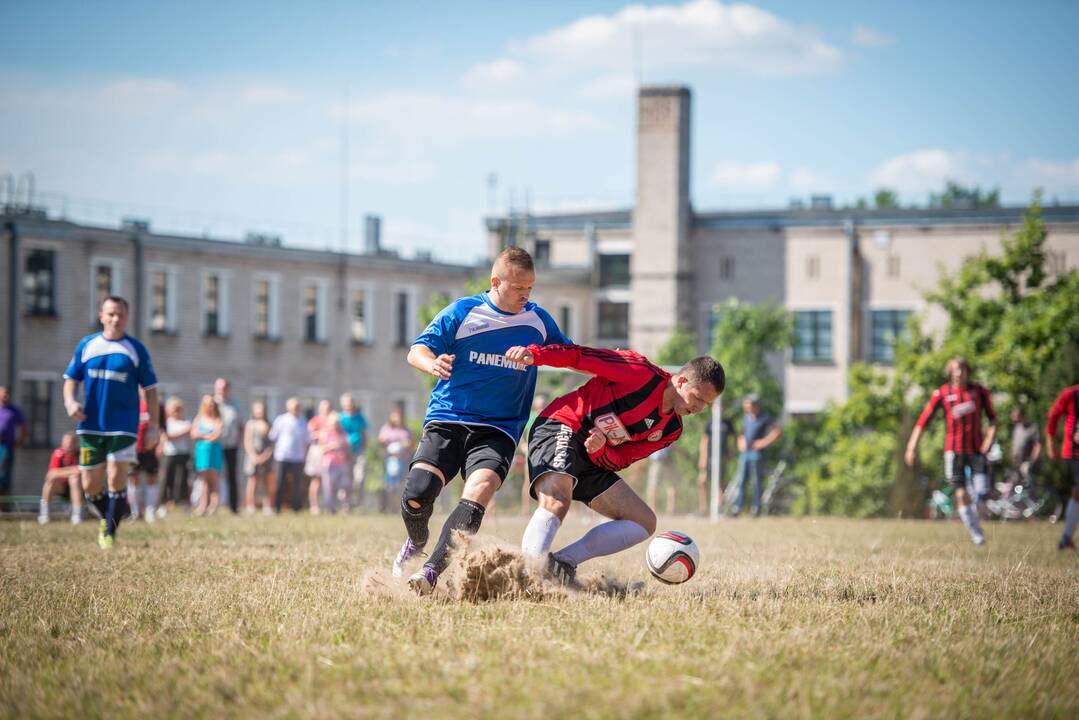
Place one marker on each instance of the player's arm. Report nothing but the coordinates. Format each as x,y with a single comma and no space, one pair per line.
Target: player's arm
991,414
1060,406
614,365
619,457
71,405
424,359
919,427
152,430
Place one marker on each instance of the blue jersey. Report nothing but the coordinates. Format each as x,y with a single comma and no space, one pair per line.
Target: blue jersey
484,387
112,372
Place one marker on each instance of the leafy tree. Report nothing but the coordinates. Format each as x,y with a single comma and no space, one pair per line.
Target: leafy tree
955,195
744,337
885,199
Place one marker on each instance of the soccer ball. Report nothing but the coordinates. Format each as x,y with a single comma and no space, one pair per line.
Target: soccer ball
672,557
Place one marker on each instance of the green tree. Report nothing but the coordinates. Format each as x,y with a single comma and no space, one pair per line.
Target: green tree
745,335
955,195
885,199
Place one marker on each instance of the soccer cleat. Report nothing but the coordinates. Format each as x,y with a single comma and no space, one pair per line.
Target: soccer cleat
423,581
1065,544
105,542
561,571
408,551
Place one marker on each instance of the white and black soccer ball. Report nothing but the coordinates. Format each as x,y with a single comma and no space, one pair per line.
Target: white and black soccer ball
672,557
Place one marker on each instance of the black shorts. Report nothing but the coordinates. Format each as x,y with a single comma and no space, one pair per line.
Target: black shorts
1074,463
458,448
955,463
554,447
145,462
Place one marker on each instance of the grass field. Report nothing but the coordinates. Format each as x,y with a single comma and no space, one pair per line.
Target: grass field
289,617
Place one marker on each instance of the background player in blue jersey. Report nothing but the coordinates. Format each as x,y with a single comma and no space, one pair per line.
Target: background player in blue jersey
478,409
112,366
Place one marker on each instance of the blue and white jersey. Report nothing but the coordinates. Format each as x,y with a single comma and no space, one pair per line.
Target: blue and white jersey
112,372
484,388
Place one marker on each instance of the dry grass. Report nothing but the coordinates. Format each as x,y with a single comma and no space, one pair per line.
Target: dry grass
290,617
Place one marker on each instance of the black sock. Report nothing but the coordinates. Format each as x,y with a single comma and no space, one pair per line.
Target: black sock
467,516
118,510
100,503
417,522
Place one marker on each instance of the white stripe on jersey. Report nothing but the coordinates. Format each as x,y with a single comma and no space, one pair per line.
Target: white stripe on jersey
482,318
101,346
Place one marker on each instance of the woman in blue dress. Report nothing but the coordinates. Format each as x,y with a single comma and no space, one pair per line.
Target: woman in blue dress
209,456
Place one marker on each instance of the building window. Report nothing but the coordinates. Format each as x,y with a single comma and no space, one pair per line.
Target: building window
215,306
264,290
359,315
39,282
403,308
104,281
812,266
162,300
542,255
613,271
613,320
893,266
565,320
37,404
887,326
726,268
813,336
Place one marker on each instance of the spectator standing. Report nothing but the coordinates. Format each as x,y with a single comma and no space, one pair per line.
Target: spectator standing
206,431
63,479
312,467
144,473
12,435
355,426
290,440
759,431
1026,446
177,452
396,440
336,463
704,461
258,461
230,441
1066,408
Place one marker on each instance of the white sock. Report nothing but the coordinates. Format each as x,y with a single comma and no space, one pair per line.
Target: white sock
1071,518
605,539
969,515
134,499
540,532
152,494
43,508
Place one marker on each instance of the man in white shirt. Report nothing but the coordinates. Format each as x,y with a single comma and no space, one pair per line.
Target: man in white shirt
290,438
231,432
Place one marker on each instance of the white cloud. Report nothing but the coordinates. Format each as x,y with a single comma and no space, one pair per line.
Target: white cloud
920,171
497,74
745,177
804,180
866,37
1054,177
608,87
701,33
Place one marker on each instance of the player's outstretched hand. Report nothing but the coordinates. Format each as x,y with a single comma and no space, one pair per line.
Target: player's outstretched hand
909,457
521,354
74,411
594,441
443,366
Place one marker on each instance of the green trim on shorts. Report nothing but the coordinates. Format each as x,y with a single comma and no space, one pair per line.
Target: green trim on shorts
94,450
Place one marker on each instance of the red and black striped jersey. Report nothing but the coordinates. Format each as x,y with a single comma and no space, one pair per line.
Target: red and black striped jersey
963,409
624,400
1067,407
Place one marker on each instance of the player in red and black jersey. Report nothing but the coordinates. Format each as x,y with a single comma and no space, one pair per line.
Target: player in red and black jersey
579,443
965,446
1066,407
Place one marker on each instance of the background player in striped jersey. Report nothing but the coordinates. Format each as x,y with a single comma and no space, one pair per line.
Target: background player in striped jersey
965,445
579,443
1067,407
112,366
478,408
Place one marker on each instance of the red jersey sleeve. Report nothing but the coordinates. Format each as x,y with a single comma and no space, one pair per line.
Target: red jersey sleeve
930,408
1060,407
56,460
613,365
987,402
619,457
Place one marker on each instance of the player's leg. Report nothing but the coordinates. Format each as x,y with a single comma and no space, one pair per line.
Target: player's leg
213,490
47,491
438,459
116,473
954,471
554,491
1071,514
152,487
631,522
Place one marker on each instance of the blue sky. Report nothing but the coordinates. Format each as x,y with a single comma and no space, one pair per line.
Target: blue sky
228,116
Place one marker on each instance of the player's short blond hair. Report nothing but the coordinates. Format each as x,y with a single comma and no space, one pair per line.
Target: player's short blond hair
513,256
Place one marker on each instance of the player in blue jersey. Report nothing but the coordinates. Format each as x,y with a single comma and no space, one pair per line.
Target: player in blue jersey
112,366
478,409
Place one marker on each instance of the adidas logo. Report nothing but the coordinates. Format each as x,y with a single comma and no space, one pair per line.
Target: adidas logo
649,422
